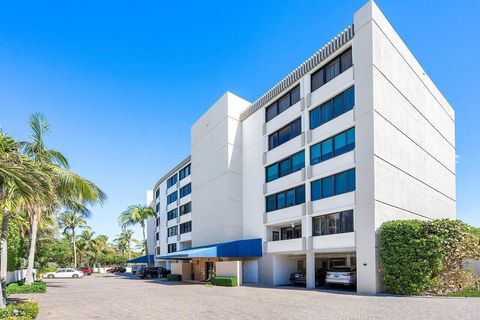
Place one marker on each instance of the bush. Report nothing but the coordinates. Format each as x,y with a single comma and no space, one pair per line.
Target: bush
419,257
224,281
21,287
26,311
174,277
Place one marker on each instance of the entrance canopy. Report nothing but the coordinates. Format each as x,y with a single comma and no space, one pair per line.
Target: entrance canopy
142,259
232,249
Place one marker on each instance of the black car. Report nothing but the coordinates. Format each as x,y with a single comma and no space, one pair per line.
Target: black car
153,272
300,278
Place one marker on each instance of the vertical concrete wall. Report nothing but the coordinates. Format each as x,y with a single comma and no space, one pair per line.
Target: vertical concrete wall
405,142
216,140
230,269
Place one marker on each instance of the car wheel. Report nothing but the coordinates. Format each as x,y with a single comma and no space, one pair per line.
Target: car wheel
75,276
50,276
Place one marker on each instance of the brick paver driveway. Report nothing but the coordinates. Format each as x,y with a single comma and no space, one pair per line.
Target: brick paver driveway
127,297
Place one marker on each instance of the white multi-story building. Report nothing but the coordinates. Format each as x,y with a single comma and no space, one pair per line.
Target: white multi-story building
302,178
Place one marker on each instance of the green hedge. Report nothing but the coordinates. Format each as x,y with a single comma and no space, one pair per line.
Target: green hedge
26,311
174,277
21,287
224,281
419,257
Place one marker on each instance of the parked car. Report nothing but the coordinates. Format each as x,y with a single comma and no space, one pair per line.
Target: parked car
298,278
341,275
153,272
64,273
117,269
136,268
86,270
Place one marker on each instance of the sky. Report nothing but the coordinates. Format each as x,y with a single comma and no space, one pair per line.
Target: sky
121,82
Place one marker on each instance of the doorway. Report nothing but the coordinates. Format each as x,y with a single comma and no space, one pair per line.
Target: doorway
208,270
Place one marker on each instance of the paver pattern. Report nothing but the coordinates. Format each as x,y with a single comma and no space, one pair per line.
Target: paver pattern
127,297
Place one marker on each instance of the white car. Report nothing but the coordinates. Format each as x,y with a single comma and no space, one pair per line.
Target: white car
342,275
64,273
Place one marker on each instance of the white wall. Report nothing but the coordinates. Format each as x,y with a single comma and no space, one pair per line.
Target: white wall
17,275
229,269
217,172
405,144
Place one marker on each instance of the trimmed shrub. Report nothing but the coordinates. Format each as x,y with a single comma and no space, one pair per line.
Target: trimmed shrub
174,277
25,311
224,281
419,257
21,287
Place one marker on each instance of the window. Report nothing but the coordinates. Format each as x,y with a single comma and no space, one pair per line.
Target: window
340,222
282,104
331,70
186,227
172,247
157,193
157,207
172,197
171,181
172,214
186,190
333,147
185,172
157,236
275,235
172,231
284,199
339,183
157,222
285,134
332,108
288,233
186,208
285,167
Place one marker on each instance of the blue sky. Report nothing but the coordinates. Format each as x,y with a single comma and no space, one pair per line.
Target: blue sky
122,82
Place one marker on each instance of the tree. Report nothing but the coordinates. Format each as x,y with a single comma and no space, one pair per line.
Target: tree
71,220
124,242
137,215
69,189
20,182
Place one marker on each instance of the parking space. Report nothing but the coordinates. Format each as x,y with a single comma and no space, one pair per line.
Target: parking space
127,297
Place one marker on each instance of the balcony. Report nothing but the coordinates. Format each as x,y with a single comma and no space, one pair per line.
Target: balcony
285,246
286,214
185,237
333,243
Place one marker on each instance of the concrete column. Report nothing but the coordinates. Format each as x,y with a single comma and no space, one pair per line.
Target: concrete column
310,270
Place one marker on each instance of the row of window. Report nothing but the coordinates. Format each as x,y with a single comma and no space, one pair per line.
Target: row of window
333,185
157,193
285,134
284,199
157,207
287,233
332,108
172,247
186,227
172,197
282,104
332,147
285,167
185,172
340,222
186,208
331,70
172,231
172,214
186,190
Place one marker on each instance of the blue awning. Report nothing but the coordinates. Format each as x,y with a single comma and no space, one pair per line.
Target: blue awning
142,259
233,249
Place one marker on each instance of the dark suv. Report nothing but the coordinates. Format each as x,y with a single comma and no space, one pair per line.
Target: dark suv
153,272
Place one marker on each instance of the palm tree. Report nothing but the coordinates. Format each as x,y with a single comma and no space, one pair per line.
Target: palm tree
84,245
20,182
69,189
137,214
124,242
71,220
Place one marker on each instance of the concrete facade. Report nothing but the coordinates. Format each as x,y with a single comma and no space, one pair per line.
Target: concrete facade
403,158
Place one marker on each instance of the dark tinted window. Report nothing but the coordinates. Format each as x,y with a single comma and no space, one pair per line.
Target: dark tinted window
284,199
172,214
185,172
186,227
186,208
282,104
285,167
339,183
285,134
340,222
332,108
186,190
333,147
172,197
171,181
331,70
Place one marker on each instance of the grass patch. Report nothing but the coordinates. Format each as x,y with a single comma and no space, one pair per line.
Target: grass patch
471,292
21,287
224,281
20,310
174,277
